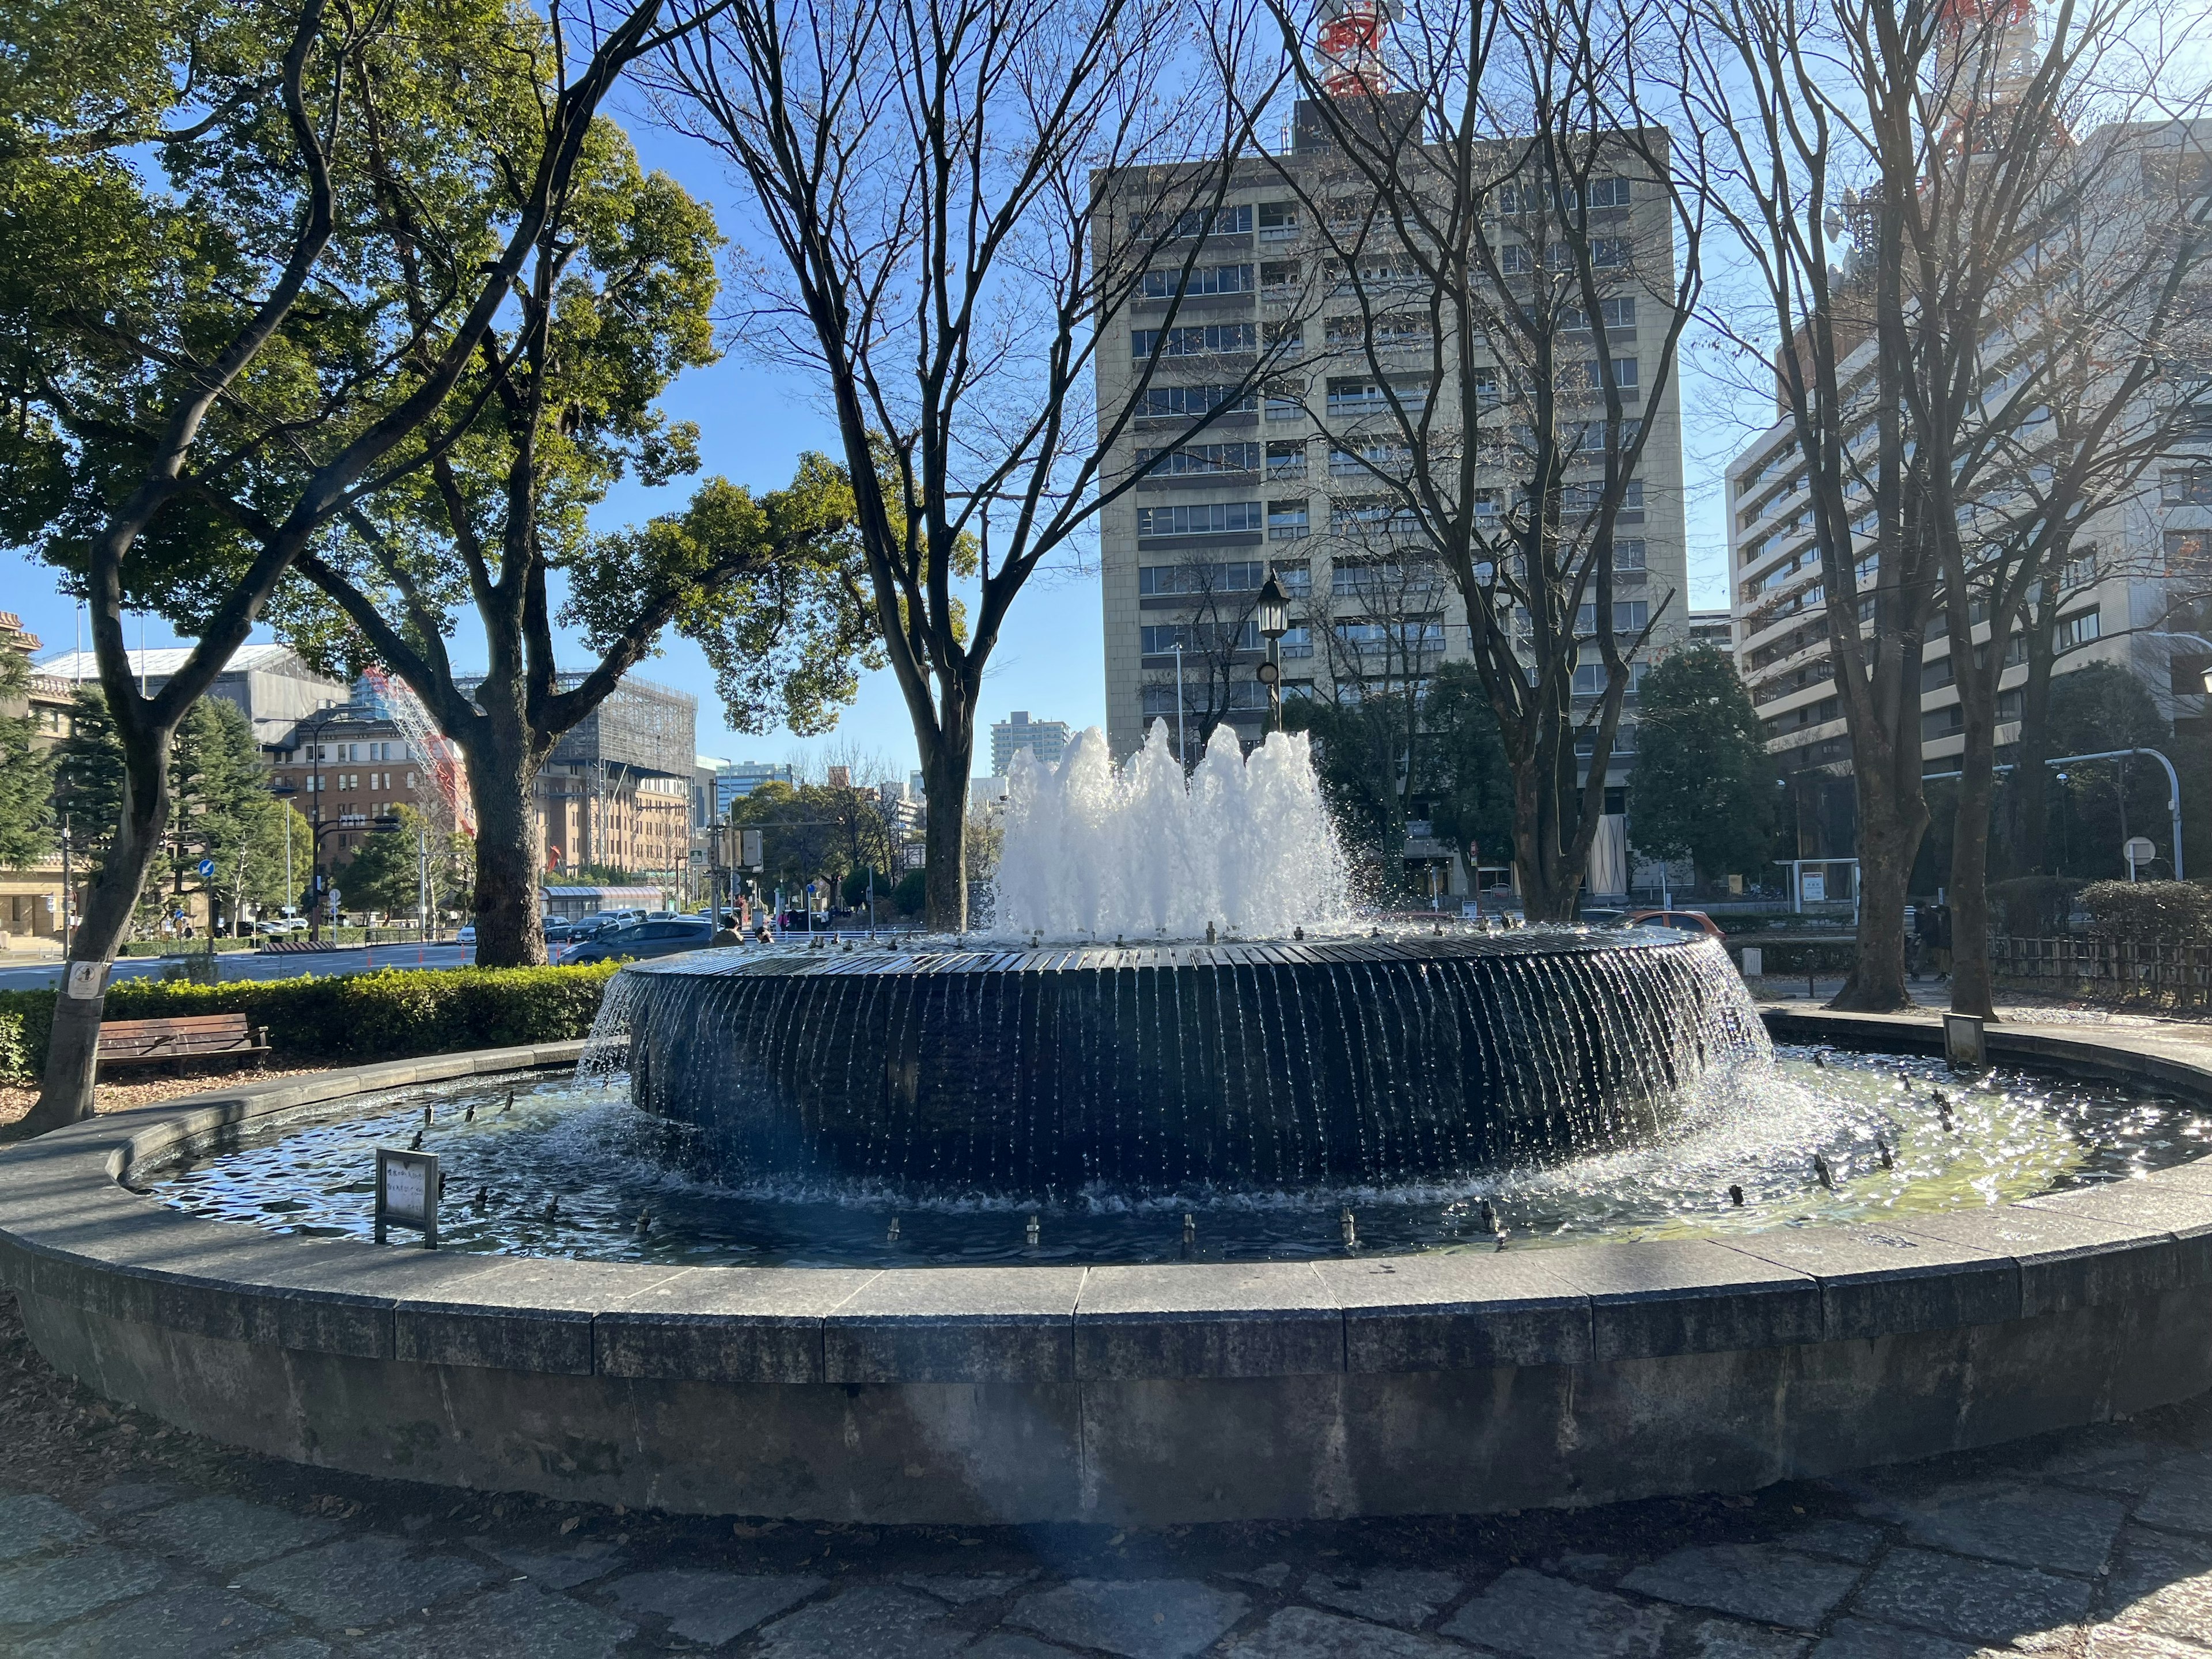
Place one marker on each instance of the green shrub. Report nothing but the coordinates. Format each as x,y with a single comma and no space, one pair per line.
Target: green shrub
391,1014
2033,906
912,893
2149,912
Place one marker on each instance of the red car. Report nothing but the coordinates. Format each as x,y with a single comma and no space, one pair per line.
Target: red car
1687,921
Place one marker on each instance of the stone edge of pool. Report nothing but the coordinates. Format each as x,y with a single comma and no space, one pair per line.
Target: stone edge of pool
1468,1383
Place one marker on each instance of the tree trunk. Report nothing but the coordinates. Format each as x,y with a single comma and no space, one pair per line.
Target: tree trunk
1970,884
73,1050
946,764
1889,835
510,849
2027,797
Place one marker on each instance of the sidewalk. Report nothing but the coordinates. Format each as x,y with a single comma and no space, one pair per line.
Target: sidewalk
120,1536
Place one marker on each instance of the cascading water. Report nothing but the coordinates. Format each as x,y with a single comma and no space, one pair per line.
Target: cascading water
1237,1033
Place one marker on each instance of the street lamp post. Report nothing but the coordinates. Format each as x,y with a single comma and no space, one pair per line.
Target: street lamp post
1182,749
1274,616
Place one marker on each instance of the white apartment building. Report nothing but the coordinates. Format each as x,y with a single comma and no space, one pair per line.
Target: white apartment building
2135,573
1275,485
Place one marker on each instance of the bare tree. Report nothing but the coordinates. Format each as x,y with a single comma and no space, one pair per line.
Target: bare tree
1477,191
1215,634
962,202
1929,147
2060,389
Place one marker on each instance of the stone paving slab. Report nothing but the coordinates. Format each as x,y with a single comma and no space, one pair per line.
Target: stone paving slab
2162,1583
871,1621
1303,1633
1013,1644
31,1522
224,1533
712,1608
1752,1581
2180,1496
178,1623
517,1622
1980,1600
45,1592
353,1583
1719,1639
960,1589
1140,1619
2111,1642
1409,1596
1860,1638
562,1568
1530,1616
2066,1532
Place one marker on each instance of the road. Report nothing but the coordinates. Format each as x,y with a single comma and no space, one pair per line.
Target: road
251,965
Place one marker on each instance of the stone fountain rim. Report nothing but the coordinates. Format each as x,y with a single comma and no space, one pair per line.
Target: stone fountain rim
71,1231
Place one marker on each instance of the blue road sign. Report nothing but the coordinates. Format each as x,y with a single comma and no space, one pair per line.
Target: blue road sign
207,867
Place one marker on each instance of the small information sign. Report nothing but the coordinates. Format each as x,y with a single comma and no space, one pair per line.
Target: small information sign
85,979
1963,1043
407,1192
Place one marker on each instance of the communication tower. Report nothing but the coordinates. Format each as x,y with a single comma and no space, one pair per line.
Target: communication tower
1348,41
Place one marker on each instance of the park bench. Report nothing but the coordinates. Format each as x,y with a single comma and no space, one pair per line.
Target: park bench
194,1037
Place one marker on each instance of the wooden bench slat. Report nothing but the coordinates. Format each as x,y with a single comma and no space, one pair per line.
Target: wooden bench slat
188,1037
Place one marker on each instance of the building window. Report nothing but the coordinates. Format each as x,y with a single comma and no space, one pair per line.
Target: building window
1286,400
1286,520
2077,631
2186,486
1189,458
1287,458
1237,576
2189,553
1204,519
1296,576
1615,313
1202,221
1163,639
1278,221
1205,279
1629,554
1297,643
1194,402
1279,279
1286,342
1199,340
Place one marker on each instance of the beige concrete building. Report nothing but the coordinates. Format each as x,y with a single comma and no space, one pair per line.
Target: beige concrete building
2131,591
1275,485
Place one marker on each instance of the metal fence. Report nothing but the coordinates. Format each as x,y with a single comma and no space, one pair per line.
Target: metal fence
2177,976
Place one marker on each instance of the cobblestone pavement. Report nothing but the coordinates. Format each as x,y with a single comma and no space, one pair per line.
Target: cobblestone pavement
118,1537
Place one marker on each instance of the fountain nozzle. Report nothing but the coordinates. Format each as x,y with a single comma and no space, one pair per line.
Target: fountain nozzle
1351,1230
1209,932
1033,1232
890,1236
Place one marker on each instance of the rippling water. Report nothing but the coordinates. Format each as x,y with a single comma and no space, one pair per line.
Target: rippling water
599,1163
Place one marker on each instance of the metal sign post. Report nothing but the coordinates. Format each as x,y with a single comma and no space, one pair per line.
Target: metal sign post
1964,1046
407,1192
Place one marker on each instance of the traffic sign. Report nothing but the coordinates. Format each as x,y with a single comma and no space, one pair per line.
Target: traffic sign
207,867
2137,850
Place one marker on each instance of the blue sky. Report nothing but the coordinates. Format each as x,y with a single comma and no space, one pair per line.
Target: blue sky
756,421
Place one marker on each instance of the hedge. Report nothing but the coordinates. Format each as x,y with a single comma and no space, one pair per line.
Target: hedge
2149,912
391,1014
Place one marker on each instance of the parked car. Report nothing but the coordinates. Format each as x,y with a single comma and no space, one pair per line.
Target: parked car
466,936
1684,922
559,930
643,939
1598,915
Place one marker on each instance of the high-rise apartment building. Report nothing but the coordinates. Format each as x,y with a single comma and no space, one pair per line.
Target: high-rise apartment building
735,780
1282,480
2129,591
1045,741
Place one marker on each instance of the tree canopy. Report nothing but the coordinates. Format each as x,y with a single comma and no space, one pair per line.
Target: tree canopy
1704,787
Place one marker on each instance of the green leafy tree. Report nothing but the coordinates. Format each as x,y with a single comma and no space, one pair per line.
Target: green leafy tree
1465,771
89,777
386,871
602,324
1704,787
27,817
212,222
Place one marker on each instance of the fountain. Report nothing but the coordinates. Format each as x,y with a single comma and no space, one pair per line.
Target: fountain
894,1247
1177,997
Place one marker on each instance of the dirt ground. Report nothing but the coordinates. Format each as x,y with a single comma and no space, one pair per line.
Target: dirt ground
146,1086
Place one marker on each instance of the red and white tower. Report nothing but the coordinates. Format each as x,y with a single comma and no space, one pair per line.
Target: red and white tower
1348,44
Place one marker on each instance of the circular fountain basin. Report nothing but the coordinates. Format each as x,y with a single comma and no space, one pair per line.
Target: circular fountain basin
1366,1383
1037,1074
